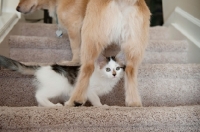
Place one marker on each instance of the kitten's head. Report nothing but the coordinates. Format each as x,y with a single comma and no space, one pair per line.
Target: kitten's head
111,67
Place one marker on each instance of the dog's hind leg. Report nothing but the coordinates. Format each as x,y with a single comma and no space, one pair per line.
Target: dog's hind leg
134,48
134,45
132,97
89,53
93,42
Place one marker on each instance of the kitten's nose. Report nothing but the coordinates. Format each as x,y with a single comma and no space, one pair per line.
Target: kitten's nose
18,8
114,74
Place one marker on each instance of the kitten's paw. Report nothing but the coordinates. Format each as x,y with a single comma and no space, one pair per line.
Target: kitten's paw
69,63
67,103
105,105
58,104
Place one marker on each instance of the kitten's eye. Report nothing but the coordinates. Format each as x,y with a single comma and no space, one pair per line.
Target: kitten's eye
108,69
118,68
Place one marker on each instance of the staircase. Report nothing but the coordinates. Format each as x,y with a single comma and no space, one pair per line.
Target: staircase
169,87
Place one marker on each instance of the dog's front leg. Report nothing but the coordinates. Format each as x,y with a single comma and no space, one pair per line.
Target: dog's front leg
73,24
75,41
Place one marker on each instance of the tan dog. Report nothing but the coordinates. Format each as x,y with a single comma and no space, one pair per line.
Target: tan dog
96,24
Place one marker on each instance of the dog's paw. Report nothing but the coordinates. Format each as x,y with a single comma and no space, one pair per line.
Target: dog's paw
74,103
68,104
134,104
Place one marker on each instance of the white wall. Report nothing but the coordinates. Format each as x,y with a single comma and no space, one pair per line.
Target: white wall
7,21
190,6
10,6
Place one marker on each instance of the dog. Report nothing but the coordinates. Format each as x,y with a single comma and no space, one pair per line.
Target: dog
95,24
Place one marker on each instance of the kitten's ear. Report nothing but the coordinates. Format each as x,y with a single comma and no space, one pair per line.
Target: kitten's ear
101,61
120,57
101,58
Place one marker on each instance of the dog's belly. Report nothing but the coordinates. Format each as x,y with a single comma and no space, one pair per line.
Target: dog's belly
118,22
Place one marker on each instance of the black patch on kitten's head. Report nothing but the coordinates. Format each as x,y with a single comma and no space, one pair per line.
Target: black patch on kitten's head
117,60
70,72
111,58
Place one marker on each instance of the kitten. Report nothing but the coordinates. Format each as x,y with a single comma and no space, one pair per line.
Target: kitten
57,82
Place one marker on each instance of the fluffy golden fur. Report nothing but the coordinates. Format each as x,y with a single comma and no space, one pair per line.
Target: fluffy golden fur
95,24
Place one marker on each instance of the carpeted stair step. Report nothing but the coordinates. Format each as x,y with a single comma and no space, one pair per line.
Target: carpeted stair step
17,41
101,119
48,30
38,29
159,85
165,57
45,49
159,32
169,92
172,71
167,46
57,55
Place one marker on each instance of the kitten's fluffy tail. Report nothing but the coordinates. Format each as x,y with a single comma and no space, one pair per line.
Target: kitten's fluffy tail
17,66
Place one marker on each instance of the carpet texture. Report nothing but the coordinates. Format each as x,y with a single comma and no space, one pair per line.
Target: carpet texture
47,49
169,88
101,119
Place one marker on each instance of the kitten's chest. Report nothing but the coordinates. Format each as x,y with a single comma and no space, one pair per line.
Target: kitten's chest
101,86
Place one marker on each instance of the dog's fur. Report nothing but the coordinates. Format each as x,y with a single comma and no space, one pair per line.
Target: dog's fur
96,24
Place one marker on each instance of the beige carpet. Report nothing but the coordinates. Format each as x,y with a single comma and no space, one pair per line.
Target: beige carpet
169,87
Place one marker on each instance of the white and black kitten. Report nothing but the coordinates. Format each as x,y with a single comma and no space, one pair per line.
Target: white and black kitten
57,82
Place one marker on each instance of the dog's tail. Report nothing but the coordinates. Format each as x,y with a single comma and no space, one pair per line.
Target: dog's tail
17,66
